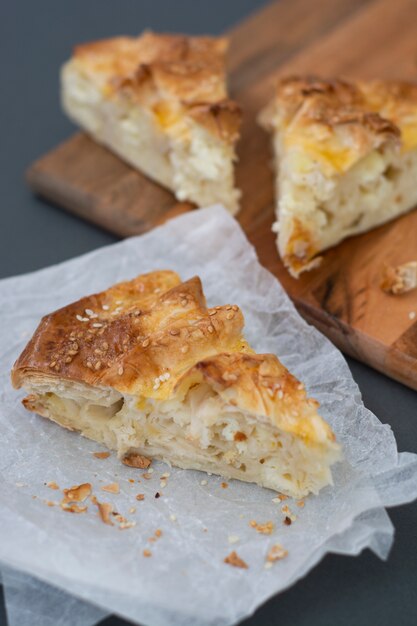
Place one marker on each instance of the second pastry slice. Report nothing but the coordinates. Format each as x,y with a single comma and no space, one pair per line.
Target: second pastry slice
160,102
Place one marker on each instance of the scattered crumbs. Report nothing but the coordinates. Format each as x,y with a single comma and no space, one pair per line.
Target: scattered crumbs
151,539
101,455
165,475
276,553
157,495
412,315
140,496
276,500
34,497
268,565
50,503
264,529
287,521
52,485
224,485
136,460
147,553
235,560
20,484
301,503
163,484
203,482
111,488
173,517
132,509
400,279
150,470
131,480
158,533
147,476
233,538
205,530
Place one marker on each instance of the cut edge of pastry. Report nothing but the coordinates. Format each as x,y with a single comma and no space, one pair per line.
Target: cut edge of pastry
218,407
345,160
160,103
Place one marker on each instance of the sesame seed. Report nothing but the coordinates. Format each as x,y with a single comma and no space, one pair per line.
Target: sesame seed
97,325
174,331
203,482
68,359
52,364
412,315
119,301
163,484
280,394
212,313
120,370
82,319
105,345
230,316
228,307
97,365
210,329
89,364
145,343
184,349
235,308
105,307
98,351
184,302
151,470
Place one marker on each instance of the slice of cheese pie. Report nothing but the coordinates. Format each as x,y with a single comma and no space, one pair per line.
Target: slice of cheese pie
146,368
346,160
160,102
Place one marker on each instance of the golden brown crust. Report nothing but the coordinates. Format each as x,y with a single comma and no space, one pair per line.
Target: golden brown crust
187,71
343,117
154,337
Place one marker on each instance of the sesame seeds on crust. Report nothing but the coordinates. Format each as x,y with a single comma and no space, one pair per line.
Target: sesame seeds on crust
151,346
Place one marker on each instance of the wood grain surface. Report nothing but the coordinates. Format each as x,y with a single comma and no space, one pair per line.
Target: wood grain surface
352,38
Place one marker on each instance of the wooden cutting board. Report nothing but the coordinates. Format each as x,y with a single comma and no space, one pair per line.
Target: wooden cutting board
355,38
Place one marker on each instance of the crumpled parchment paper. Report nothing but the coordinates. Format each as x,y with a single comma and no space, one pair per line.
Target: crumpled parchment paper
185,582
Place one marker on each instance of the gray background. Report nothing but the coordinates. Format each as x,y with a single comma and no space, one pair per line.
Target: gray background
35,38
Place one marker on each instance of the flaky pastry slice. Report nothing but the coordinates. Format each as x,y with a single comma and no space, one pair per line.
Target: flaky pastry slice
146,368
346,161
160,102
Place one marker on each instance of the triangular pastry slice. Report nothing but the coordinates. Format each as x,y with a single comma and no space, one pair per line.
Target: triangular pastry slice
160,102
146,368
346,160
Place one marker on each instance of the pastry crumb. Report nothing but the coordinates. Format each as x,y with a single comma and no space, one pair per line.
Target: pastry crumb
73,507
300,503
105,509
264,529
101,455
233,538
147,476
224,485
235,560
158,533
20,484
276,553
125,525
203,483
147,553
173,517
136,460
287,521
268,565
52,485
132,509
77,493
140,496
111,488
399,279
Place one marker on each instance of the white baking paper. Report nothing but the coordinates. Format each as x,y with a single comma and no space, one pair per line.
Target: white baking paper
185,582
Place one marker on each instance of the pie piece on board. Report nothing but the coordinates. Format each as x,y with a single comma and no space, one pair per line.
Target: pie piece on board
160,102
146,368
346,161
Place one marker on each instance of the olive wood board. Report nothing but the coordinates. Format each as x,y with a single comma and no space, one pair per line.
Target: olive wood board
349,38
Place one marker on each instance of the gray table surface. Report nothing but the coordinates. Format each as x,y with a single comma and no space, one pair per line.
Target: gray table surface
35,38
